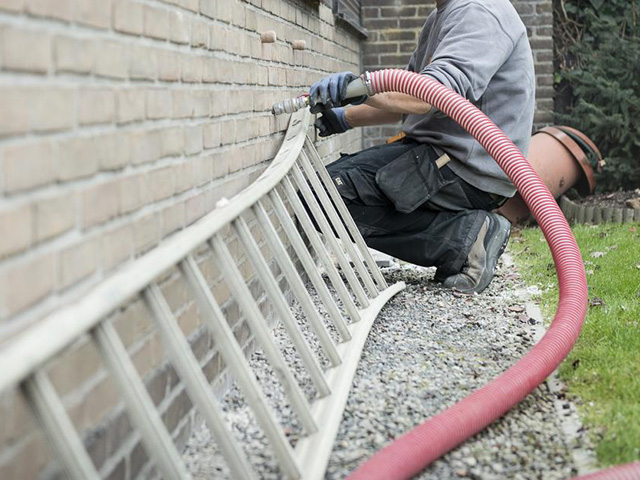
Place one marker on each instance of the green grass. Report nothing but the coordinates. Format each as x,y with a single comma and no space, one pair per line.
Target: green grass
603,370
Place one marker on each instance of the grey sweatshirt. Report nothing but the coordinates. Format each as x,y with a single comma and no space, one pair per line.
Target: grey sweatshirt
480,49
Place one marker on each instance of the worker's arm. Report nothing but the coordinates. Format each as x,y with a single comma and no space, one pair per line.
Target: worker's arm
385,108
399,103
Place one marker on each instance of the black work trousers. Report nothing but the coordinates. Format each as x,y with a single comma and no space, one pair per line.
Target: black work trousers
407,207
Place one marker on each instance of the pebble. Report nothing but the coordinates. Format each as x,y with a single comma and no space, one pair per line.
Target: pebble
428,349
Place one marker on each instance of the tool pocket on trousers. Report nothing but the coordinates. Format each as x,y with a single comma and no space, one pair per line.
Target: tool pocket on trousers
360,186
411,179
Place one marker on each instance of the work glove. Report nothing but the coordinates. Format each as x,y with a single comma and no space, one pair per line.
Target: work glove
331,122
330,92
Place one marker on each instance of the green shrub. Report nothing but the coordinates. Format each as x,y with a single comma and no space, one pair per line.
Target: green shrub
598,54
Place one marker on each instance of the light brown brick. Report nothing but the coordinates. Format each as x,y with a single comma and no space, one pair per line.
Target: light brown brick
221,164
173,218
179,30
51,109
134,192
96,106
73,54
212,135
217,38
158,104
24,284
146,233
161,183
16,229
240,101
14,111
175,292
27,459
201,103
111,59
77,262
189,320
145,145
130,105
143,63
60,9
199,34
100,203
15,418
146,358
117,247
128,17
203,170
183,103
192,69
96,13
183,175
157,23
228,132
193,138
97,404
12,5
16,55
76,158
213,70
172,141
218,104
169,66
75,366
54,215
192,5
194,208
112,150
27,166
208,8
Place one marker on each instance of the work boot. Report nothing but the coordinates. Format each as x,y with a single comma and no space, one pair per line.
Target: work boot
478,270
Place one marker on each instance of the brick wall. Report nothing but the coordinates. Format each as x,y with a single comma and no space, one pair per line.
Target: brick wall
394,27
121,123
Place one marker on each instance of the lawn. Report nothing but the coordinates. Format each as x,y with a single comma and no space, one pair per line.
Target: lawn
603,370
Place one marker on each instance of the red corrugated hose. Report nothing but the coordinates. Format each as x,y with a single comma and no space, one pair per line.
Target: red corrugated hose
415,450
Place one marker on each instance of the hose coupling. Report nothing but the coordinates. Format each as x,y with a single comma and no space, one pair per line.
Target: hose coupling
290,105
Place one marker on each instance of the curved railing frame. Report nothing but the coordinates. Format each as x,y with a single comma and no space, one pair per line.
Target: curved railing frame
296,171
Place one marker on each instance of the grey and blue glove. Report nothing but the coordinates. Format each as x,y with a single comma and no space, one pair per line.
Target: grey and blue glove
331,122
330,92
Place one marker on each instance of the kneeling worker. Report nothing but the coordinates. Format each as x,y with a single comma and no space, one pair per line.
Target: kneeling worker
428,198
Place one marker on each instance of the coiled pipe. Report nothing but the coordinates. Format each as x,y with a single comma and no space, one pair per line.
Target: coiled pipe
414,451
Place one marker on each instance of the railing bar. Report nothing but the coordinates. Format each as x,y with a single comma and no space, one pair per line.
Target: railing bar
54,421
144,415
196,383
273,290
296,285
320,249
309,265
329,236
235,360
344,214
259,328
329,207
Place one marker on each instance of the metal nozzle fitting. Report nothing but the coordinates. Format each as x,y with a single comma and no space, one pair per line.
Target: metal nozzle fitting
290,105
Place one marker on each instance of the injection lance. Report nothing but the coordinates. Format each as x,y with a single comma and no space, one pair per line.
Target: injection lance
356,88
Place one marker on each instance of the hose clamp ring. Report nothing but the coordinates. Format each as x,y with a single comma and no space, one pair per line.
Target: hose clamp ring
366,78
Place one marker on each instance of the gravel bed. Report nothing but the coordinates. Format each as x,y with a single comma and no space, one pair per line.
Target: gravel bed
428,348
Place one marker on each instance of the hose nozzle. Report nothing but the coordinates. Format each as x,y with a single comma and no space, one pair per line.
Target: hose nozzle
290,105
359,86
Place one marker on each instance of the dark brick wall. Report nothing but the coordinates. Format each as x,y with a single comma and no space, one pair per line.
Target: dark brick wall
394,26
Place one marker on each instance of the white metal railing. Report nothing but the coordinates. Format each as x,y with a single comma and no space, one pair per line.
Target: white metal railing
296,171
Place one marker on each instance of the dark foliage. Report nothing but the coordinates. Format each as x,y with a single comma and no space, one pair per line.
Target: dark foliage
598,57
